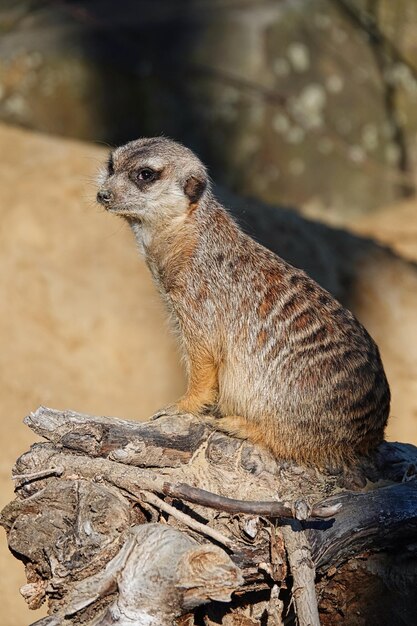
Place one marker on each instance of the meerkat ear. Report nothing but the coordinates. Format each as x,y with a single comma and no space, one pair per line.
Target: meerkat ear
194,188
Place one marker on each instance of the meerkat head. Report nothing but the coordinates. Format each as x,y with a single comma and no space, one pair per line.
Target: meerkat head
152,179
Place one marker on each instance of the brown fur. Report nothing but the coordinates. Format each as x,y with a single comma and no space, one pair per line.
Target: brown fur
284,364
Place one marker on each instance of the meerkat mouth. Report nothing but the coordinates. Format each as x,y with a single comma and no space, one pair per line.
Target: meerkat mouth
124,212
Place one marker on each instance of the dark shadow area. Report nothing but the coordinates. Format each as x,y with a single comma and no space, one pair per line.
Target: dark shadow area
257,603
139,57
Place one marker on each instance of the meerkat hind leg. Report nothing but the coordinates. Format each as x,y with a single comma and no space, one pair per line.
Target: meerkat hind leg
242,428
238,426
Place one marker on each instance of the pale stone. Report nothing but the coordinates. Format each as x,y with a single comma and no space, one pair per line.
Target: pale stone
309,104
357,154
299,56
334,83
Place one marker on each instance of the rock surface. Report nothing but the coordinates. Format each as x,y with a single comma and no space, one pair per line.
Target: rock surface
311,103
394,226
82,323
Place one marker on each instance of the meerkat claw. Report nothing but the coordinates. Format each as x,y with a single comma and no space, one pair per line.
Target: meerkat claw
169,411
165,412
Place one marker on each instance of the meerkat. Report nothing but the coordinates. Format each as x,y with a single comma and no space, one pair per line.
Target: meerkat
275,356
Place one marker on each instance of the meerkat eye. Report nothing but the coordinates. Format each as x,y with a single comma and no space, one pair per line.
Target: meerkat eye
147,174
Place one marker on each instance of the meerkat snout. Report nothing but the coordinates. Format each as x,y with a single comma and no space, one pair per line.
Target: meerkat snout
104,196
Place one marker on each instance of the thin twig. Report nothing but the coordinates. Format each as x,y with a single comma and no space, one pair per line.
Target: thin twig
195,495
303,573
26,478
202,529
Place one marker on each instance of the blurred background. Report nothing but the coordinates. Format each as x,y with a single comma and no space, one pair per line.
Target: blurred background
305,112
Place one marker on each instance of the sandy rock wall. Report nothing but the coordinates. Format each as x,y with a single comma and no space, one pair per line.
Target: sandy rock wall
307,102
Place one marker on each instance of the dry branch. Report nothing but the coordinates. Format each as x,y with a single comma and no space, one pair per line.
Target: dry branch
253,507
303,574
108,512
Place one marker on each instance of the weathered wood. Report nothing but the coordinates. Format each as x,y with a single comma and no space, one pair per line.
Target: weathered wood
379,519
143,444
187,575
81,495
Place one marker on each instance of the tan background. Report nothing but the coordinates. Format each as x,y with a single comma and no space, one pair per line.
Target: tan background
82,326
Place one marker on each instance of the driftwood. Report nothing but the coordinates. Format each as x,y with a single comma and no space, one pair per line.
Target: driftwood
170,522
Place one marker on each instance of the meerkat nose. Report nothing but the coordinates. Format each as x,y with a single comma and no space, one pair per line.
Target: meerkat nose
104,196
